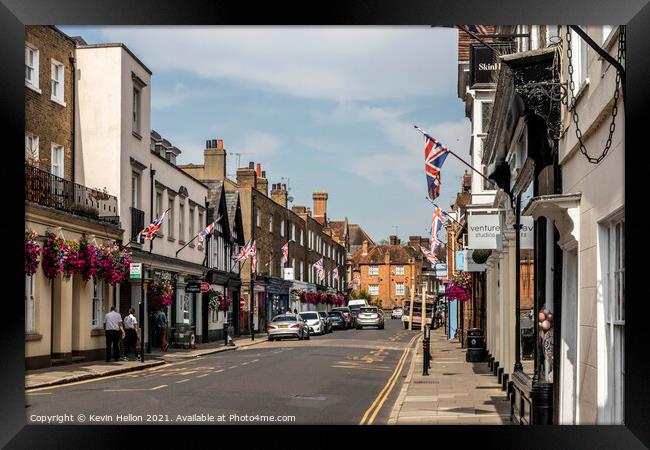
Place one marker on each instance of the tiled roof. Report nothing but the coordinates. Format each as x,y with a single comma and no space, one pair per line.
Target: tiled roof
399,254
357,235
231,206
338,228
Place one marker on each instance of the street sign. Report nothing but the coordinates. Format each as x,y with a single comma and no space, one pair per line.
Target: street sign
193,287
136,271
205,287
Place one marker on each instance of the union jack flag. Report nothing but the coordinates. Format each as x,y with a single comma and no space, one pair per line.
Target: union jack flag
320,270
437,222
429,255
285,253
335,273
434,156
208,230
248,251
477,29
435,242
151,231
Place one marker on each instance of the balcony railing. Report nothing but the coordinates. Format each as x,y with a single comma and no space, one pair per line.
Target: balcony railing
55,192
137,222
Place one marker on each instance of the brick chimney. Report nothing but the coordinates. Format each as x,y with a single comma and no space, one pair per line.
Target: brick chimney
246,176
214,157
393,240
320,204
299,209
279,193
365,247
415,241
308,211
262,181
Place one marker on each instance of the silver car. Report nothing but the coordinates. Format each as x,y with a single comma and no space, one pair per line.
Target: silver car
314,321
370,316
287,326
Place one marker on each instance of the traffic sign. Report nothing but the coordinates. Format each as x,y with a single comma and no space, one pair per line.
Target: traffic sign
205,287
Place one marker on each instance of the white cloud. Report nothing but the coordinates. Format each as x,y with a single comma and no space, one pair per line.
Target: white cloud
334,63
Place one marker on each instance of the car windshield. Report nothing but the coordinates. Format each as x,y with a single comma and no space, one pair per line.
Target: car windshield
309,316
355,308
284,319
322,313
368,310
335,314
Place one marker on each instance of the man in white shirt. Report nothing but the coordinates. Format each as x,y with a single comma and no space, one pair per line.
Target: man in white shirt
113,328
131,329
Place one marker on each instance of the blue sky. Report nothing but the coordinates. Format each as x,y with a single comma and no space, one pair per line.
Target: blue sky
328,108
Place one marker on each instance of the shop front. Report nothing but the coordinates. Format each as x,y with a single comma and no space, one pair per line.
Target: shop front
277,296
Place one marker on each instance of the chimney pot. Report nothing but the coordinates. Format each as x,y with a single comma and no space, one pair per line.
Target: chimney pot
219,144
258,170
263,173
251,165
214,143
207,143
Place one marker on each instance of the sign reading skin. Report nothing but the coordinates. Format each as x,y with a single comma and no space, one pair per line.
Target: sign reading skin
484,231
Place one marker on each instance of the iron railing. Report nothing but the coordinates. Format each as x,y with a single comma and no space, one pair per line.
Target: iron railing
55,192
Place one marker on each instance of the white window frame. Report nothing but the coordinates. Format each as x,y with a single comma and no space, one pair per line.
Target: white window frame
135,189
293,232
373,270
170,216
282,228
302,237
30,304
611,323
32,150
33,83
302,268
399,270
373,289
534,37
580,61
57,160
181,220
136,121
271,223
202,225
191,222
59,83
607,32
258,218
98,302
399,291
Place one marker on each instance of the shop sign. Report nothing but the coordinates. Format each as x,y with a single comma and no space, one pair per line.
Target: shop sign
484,231
193,287
470,264
135,269
460,260
526,234
484,63
441,270
205,287
288,273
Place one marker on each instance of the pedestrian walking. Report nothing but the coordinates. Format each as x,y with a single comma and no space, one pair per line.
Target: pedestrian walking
162,327
131,329
113,329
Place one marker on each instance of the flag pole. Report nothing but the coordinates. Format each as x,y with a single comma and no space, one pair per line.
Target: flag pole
459,158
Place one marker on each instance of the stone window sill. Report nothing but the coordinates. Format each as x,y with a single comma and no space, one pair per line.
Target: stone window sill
136,135
171,239
181,242
33,337
33,88
57,101
97,332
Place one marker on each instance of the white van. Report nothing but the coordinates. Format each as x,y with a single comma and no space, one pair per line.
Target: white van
358,302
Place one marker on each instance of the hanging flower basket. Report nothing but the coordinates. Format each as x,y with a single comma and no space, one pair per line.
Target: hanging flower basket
112,264
160,295
32,252
460,287
481,256
52,251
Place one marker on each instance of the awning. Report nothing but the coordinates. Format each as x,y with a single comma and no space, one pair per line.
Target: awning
564,210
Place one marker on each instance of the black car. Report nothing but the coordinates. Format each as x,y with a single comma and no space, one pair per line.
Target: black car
337,320
326,319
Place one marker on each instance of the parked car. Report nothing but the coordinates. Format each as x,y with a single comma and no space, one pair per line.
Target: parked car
347,315
337,320
287,326
396,313
314,321
370,316
326,318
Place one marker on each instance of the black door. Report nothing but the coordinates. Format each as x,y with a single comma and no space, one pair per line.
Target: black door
203,298
235,313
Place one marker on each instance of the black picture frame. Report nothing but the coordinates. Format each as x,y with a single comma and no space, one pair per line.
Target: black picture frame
14,14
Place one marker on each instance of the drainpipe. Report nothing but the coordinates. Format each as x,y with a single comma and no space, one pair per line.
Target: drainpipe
73,61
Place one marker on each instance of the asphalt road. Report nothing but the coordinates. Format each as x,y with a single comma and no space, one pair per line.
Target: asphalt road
346,377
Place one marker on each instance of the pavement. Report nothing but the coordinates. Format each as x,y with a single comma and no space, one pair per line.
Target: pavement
347,377
57,375
455,392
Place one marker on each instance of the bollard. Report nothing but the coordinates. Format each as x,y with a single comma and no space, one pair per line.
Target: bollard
425,356
225,333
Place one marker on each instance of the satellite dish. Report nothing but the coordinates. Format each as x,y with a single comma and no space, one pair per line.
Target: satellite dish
290,198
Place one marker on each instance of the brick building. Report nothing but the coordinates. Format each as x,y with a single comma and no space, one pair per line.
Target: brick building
388,272
49,100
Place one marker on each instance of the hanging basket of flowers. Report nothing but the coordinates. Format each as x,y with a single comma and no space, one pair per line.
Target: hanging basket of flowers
460,287
160,295
322,298
52,249
32,252
112,264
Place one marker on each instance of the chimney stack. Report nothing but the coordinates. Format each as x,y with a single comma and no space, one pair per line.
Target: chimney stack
246,176
365,247
214,157
415,241
394,240
308,211
279,194
262,181
320,204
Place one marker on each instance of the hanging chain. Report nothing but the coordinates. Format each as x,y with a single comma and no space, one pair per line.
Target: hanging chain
572,106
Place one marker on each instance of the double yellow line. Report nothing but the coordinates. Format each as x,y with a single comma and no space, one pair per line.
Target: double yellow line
370,414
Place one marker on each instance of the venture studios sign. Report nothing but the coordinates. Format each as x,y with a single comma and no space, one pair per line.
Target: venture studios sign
484,231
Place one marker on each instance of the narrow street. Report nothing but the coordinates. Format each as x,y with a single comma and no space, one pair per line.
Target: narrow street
347,377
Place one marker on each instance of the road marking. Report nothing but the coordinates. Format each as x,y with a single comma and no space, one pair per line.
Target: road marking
362,368
232,367
183,381
383,394
255,360
244,363
189,372
204,375
38,393
136,389
217,371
